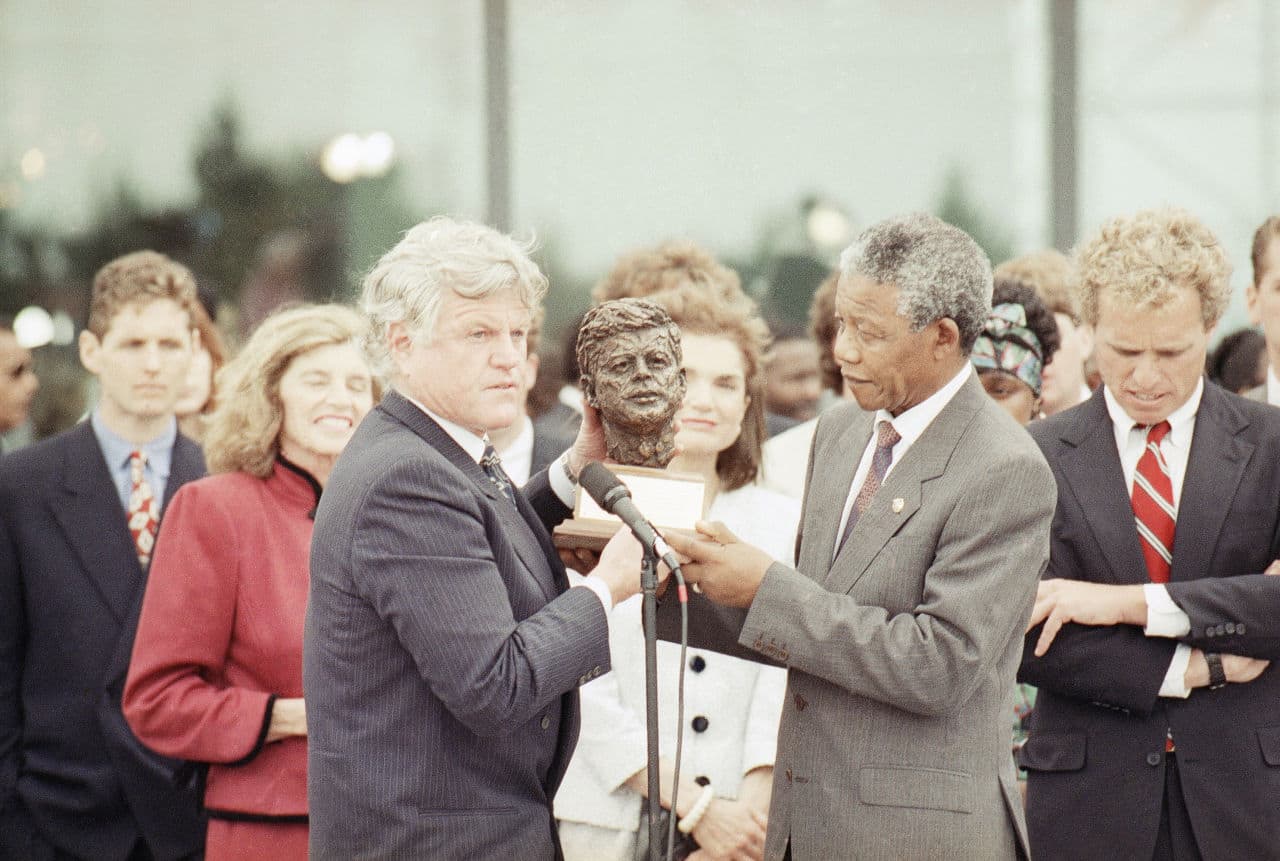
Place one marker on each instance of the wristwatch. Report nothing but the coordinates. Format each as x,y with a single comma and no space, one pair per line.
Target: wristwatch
1217,676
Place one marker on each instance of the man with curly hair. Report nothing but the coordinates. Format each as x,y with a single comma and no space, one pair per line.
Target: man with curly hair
1155,733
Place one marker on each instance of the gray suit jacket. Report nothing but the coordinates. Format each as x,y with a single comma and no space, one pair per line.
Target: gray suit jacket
895,740
442,654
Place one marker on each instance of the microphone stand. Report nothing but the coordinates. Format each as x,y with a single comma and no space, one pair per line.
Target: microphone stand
649,586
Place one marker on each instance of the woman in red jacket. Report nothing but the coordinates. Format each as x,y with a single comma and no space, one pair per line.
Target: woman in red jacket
216,675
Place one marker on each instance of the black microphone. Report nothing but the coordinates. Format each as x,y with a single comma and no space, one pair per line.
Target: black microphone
614,497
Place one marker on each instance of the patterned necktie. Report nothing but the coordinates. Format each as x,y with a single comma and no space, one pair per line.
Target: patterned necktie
144,520
886,438
492,466
1153,506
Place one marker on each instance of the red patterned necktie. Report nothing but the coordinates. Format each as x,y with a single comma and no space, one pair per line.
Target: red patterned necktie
886,438
143,520
1153,506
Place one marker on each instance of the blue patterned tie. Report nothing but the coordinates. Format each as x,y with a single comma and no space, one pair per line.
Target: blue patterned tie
492,466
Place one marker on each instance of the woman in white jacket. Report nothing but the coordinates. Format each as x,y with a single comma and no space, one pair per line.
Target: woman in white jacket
732,706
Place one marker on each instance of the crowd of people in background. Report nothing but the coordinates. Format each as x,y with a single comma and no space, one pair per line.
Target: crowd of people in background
156,558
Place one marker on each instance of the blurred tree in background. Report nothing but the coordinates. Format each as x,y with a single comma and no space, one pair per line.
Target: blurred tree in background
957,206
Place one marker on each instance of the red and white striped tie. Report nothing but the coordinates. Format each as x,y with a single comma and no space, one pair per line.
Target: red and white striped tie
1153,507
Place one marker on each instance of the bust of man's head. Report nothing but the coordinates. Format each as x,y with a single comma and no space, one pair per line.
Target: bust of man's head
629,356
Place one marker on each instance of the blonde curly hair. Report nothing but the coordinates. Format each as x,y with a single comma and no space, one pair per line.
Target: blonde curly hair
244,429
644,272
1147,256
1050,273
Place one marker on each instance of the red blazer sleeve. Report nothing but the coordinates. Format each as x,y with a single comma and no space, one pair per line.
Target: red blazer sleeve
176,698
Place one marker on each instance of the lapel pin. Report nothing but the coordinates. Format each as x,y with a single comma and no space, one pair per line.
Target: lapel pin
898,505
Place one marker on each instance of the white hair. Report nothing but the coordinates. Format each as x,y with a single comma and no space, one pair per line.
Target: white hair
409,282
938,269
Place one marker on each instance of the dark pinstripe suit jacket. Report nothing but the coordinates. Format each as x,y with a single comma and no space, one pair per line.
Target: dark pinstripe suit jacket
442,654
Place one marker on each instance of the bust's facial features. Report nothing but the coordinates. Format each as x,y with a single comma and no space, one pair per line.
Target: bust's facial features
637,382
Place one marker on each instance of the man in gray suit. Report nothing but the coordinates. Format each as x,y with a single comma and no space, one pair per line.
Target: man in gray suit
443,646
924,531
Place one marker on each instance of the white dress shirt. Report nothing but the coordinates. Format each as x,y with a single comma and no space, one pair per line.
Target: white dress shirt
517,458
1273,387
474,447
1164,617
910,426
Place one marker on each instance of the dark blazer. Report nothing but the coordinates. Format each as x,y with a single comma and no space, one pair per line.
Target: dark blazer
442,653
560,422
549,442
1095,757
71,772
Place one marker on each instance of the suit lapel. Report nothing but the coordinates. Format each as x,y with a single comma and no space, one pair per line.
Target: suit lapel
520,523
186,464
1092,472
87,508
839,461
1215,468
925,460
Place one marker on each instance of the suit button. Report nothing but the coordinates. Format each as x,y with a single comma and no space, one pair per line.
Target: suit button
801,702
700,724
1208,632
546,722
1153,759
789,776
1221,629
1231,627
1240,629
702,780
697,664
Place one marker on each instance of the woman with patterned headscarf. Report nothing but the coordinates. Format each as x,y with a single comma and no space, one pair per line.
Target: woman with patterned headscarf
1018,340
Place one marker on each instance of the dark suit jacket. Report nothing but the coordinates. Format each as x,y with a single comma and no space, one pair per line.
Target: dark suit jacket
442,654
560,423
71,771
549,442
1095,757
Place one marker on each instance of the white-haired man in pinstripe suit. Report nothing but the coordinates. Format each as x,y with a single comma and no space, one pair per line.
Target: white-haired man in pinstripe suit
444,647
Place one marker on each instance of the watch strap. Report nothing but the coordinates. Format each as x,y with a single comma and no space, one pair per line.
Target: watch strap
1217,676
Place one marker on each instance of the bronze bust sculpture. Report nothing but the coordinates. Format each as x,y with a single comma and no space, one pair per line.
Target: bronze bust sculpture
632,372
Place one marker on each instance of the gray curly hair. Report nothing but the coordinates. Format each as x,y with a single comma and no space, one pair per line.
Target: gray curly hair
938,269
409,282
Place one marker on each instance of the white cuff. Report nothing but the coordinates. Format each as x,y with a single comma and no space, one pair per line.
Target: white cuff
558,478
1164,617
1175,680
601,588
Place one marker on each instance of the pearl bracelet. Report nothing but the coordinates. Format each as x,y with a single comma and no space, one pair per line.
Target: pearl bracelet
699,809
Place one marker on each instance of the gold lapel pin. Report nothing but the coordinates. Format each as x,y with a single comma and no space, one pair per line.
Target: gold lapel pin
898,505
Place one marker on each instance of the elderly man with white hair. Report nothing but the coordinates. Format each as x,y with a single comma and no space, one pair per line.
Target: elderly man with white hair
443,645
925,528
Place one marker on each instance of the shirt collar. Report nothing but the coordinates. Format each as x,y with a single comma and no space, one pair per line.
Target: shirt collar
1181,421
913,422
1272,390
117,450
473,445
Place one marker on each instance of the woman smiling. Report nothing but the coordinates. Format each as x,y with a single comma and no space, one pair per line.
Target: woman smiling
216,675
732,707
